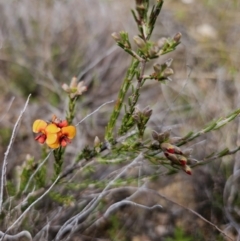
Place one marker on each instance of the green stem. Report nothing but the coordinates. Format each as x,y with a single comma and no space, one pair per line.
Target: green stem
118,106
71,109
127,121
58,161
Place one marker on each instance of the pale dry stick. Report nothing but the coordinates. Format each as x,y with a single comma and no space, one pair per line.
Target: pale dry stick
115,207
8,108
17,237
112,191
69,225
4,166
108,102
30,206
31,177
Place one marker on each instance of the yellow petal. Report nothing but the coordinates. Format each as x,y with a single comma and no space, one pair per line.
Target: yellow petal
54,145
52,129
39,126
69,131
52,138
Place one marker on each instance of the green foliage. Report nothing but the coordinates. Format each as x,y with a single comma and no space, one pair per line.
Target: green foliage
116,231
62,199
5,134
27,170
22,79
179,235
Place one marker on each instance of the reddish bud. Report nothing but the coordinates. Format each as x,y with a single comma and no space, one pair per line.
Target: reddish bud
166,147
170,148
187,169
172,157
182,160
63,123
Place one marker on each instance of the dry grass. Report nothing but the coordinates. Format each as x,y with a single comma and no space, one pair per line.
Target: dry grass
45,43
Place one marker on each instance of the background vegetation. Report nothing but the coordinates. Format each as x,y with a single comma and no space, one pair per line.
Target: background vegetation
46,43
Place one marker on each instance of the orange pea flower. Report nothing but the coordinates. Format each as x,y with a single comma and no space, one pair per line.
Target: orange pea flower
55,134
66,135
47,132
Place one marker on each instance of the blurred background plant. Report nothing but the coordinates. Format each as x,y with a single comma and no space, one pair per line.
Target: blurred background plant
45,43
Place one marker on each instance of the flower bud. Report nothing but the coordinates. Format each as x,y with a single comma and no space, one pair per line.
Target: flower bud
177,37
139,41
170,148
140,6
158,137
116,37
166,134
97,141
147,112
97,144
166,147
162,138
187,169
153,51
182,160
161,42
62,123
136,117
172,157
155,135
168,72
157,68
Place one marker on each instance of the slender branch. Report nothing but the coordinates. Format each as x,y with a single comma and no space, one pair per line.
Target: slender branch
19,236
4,166
108,102
115,207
